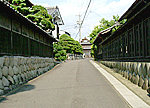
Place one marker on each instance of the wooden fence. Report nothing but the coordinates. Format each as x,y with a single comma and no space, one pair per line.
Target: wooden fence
20,37
133,44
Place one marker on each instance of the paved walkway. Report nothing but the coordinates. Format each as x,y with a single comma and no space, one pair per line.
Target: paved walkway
73,84
130,97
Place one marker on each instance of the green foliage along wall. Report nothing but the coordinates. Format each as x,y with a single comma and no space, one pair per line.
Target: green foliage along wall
104,24
37,14
59,52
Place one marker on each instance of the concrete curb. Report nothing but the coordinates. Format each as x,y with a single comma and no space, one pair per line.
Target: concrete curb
128,95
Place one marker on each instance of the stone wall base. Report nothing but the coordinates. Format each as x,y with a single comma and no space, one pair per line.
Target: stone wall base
137,72
17,70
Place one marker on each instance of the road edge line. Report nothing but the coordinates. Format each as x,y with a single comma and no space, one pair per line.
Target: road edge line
135,102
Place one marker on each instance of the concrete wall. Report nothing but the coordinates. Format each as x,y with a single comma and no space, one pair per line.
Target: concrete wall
16,70
87,53
137,72
74,56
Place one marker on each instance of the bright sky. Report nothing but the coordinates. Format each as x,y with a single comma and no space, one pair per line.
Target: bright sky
70,9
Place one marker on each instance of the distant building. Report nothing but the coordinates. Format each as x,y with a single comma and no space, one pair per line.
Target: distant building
64,32
57,19
86,47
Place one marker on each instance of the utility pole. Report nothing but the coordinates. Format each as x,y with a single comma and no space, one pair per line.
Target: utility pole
79,23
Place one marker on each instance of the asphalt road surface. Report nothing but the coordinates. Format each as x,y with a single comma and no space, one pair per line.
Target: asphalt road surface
73,84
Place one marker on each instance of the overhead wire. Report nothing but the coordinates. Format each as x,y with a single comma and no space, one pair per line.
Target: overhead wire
96,14
77,34
68,28
86,12
90,10
84,16
82,5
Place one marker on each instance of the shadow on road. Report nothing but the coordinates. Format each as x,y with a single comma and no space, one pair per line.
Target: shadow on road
24,88
21,89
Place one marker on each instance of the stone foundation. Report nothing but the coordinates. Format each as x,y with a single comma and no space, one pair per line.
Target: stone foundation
15,70
137,72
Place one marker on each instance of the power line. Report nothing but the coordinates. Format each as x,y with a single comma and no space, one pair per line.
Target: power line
83,18
96,13
90,10
69,28
86,12
77,34
82,6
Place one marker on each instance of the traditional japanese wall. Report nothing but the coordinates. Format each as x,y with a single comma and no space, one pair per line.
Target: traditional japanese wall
16,70
21,37
136,72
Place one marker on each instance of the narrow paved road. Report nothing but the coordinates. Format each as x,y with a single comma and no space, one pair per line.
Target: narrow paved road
74,84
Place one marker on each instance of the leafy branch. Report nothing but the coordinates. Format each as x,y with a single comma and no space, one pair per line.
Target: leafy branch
37,14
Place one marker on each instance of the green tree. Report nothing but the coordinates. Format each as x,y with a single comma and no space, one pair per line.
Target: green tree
59,52
66,45
37,14
70,45
41,17
104,24
20,6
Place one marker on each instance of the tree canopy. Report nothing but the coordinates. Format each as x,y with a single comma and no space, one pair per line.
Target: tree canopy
70,45
104,24
37,14
66,45
59,52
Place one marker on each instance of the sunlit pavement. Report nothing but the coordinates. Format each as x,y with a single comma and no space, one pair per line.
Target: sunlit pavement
72,84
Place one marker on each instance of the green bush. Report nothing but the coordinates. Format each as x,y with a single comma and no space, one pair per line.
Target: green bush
66,45
37,14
